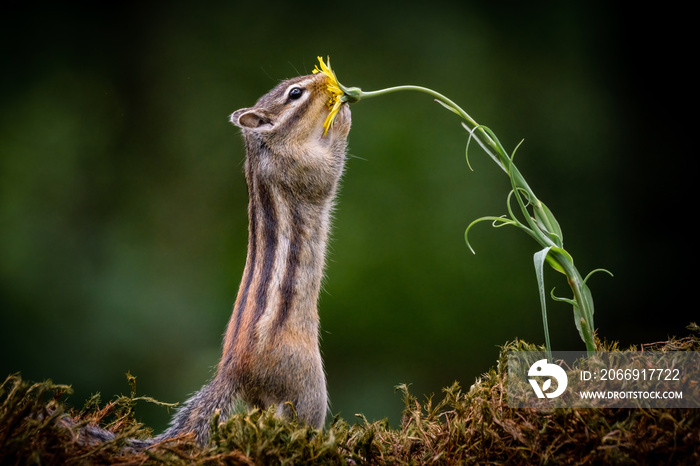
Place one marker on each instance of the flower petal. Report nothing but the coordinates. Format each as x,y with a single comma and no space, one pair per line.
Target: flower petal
334,89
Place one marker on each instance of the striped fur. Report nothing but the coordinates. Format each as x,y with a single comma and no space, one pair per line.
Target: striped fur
270,353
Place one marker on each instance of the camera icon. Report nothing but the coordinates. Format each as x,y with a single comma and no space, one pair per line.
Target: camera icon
542,368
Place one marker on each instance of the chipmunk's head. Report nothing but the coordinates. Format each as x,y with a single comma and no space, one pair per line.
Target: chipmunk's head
285,138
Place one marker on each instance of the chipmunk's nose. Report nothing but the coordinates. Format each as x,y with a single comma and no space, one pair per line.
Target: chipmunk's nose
343,116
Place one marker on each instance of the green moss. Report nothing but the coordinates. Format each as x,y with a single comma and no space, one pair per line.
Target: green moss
473,426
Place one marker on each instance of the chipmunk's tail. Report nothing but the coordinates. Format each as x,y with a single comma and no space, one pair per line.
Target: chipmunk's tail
196,414
194,417
90,435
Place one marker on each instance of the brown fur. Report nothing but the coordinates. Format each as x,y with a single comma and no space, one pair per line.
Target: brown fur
270,354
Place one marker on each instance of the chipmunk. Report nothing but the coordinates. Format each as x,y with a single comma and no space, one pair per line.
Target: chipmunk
271,354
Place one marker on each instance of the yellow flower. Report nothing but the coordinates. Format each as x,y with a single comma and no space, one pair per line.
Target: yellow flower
334,88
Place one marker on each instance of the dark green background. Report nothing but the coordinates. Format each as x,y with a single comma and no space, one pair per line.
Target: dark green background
123,206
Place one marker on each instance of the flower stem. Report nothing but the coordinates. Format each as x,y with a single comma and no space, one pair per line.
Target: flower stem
541,224
486,140
444,100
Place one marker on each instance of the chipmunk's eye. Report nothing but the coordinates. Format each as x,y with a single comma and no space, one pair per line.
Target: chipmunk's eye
295,93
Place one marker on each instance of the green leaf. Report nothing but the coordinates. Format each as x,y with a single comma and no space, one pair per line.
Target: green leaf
466,152
554,261
448,107
484,146
501,220
539,258
563,300
548,223
597,270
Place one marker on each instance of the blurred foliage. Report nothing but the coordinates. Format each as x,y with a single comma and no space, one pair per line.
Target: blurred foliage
123,206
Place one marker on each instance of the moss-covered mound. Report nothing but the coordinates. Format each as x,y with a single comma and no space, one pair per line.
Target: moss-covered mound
472,426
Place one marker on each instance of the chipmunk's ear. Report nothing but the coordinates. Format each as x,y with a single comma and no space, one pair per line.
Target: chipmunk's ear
250,118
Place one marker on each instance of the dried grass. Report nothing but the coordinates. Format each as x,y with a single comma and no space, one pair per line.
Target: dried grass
467,427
